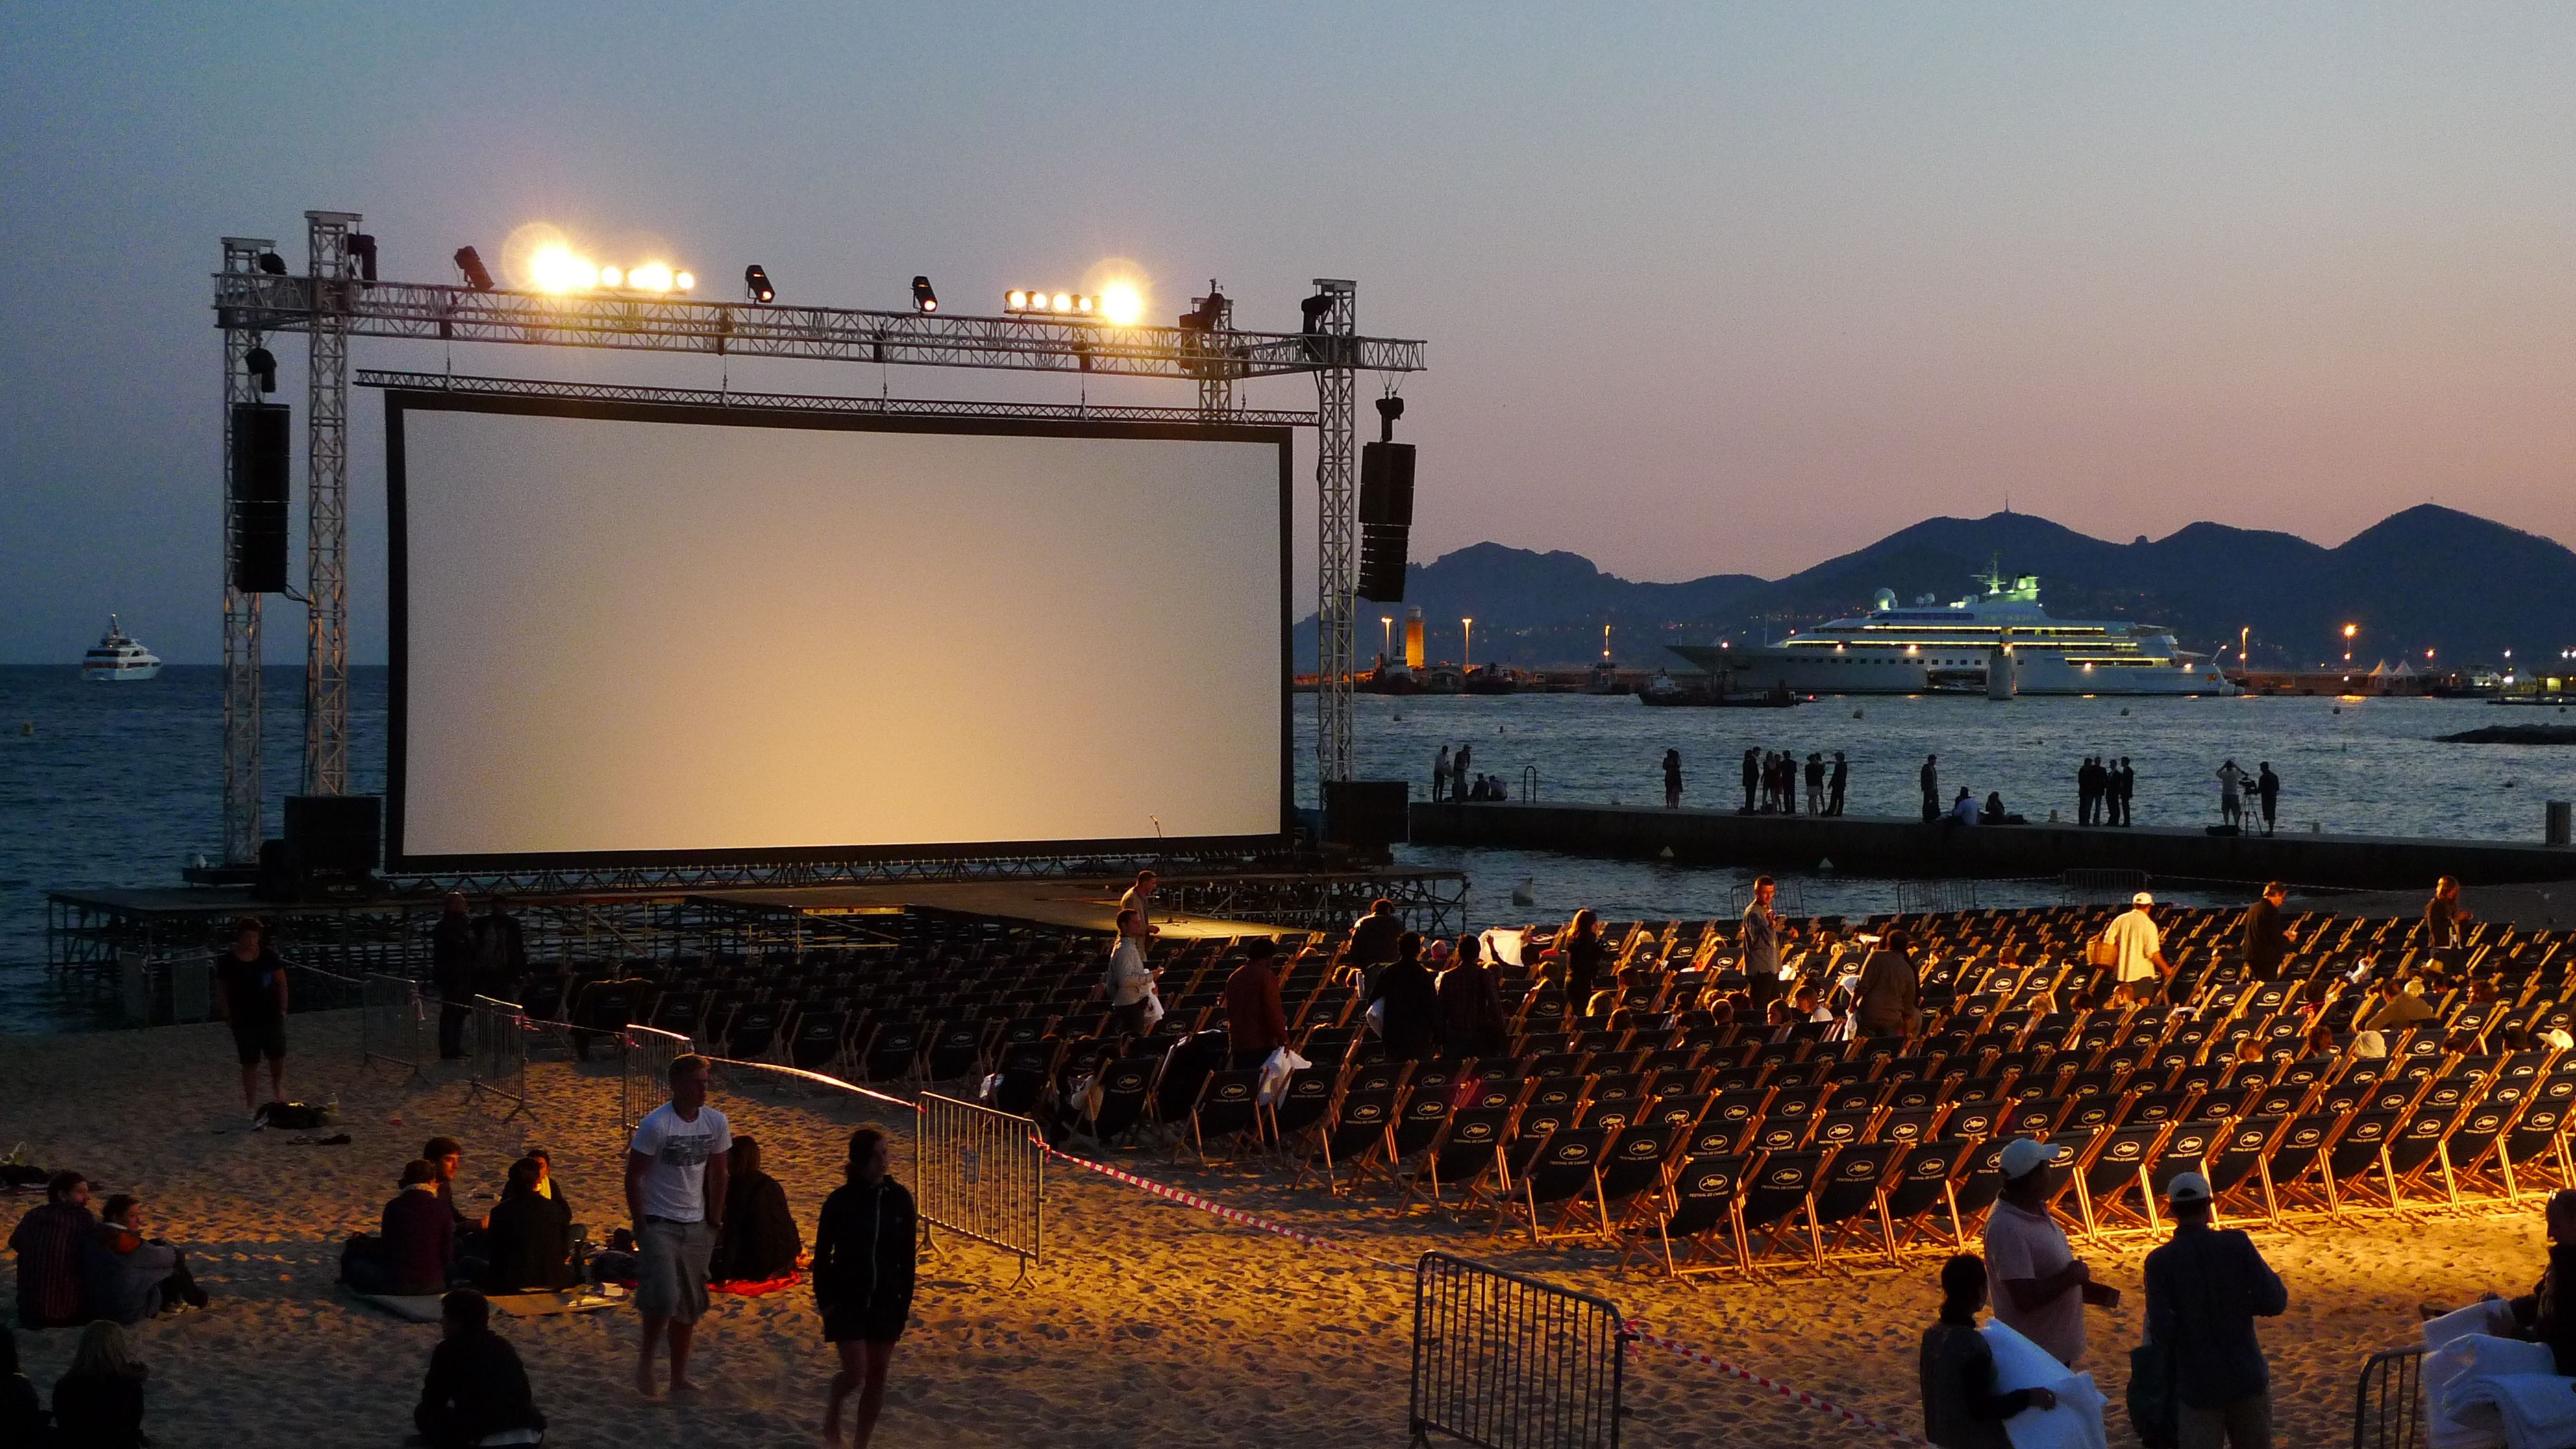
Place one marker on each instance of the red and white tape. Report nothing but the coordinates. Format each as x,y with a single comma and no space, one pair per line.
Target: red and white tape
1799,1397
1232,1215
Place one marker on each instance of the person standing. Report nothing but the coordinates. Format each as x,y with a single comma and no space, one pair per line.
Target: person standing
2041,1286
1956,1369
1931,777
676,1165
250,995
48,1244
1140,899
1458,773
1841,780
864,1261
1129,981
2231,795
2124,785
1752,777
1580,955
1256,1024
1672,779
2088,789
1815,782
2137,948
2444,916
2205,1288
1440,775
2267,788
2267,936
1758,947
1409,1001
500,951
1888,993
451,970
1472,1022
476,1387
1373,937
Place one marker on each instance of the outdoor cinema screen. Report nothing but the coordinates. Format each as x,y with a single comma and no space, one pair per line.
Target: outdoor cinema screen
633,633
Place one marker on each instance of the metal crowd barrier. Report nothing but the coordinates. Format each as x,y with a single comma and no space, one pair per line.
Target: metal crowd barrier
2091,886
497,1064
392,1027
1915,896
2388,1408
1508,1362
980,1174
644,1058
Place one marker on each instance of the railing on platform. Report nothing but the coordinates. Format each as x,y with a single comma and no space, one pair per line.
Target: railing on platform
981,1174
498,1059
644,1057
1508,1362
1788,897
2091,887
392,1027
1916,896
2388,1406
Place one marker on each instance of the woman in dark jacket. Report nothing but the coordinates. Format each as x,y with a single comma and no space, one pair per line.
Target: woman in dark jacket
1886,1001
863,1265
1472,1023
528,1242
1580,958
98,1402
760,1240
1961,1409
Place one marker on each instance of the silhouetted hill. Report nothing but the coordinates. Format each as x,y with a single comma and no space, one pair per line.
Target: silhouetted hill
2429,577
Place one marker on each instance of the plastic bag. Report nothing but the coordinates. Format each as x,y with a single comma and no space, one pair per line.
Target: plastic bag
1153,1007
1377,1017
1276,1069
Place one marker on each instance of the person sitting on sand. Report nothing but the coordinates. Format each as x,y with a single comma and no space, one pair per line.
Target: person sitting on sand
760,1242
476,1387
127,1277
547,1187
23,1419
1956,1370
47,1241
527,1243
411,1256
446,1154
98,1402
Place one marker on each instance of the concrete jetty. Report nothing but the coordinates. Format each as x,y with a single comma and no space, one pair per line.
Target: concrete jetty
1881,845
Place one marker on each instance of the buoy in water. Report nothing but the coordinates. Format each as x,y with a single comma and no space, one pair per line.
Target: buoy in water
1825,864
1855,714
1524,894
1664,854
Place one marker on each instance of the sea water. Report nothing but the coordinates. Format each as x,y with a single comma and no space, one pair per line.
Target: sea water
121,784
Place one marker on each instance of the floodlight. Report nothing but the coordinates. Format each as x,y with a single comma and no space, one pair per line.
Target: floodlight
1122,304
924,299
272,263
558,268
650,277
470,262
1316,308
1015,301
755,282
1063,302
611,277
363,247
262,364
684,280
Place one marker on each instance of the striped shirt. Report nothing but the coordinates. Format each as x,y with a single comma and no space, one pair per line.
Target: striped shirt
47,1242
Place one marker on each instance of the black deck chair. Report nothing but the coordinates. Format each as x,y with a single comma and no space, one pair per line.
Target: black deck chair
2235,1165
2035,1117
1186,1069
2471,1161
1468,1147
2415,1150
2295,1168
820,1039
755,1031
955,1051
2112,1181
894,1053
1775,1133
1417,1125
1633,1169
1608,1114
1972,1120
1227,1111
1117,1108
1841,1129
1852,1197
1026,1072
1778,1195
1563,1175
1356,1127
2148,1109
2356,1162
1376,1077
679,1012
1854,1096
1681,1112
1498,1089
1919,1189
1907,1127
2535,1148
1716,1136
1699,1213
1301,1104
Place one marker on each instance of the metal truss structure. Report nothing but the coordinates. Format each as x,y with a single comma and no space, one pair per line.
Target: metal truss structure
331,306
900,407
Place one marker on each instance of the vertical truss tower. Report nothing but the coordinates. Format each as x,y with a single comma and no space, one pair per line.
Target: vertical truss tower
242,333
1336,526
326,534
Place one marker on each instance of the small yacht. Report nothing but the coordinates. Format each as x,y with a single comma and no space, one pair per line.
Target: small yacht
119,656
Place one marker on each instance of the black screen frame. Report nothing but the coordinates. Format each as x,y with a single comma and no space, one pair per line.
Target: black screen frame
401,401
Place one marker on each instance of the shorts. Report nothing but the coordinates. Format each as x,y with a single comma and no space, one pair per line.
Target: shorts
255,1039
868,1323
671,1269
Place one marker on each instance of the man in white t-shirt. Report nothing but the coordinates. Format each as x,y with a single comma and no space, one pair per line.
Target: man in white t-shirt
2041,1287
2137,949
675,1191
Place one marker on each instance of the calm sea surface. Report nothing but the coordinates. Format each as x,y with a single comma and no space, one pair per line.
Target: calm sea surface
104,785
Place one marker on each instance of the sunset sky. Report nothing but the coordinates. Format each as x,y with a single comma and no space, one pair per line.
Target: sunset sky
1707,288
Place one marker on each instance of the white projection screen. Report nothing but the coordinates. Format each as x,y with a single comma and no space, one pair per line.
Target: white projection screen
631,633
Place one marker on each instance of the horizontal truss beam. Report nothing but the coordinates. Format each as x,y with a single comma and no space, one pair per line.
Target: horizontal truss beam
872,406
261,302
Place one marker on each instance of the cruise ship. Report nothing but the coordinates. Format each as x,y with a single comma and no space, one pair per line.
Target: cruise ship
117,656
1998,642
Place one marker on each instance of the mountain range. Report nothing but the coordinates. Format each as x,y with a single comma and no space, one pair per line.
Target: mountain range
2427,578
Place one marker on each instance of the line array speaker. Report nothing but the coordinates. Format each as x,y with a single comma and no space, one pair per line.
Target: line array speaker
1386,519
259,497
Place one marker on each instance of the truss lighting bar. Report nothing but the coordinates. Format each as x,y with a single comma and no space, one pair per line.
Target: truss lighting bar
1019,303
872,406
259,302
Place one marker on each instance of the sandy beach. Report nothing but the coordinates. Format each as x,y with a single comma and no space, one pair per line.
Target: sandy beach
1149,1323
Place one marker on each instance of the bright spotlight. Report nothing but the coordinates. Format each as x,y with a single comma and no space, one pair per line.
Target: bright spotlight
560,269
611,277
924,299
470,262
755,284
1063,302
1122,304
650,277
1015,301
685,281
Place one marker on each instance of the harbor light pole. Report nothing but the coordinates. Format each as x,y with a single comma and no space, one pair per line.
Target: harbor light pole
1467,647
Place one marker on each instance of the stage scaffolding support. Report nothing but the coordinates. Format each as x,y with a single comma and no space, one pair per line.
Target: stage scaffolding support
331,306
242,333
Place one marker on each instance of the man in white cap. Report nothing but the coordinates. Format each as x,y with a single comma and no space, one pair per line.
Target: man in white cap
2041,1287
2137,949
2205,1288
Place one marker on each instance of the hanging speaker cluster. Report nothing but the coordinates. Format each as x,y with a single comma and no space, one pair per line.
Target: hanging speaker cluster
259,497
1386,517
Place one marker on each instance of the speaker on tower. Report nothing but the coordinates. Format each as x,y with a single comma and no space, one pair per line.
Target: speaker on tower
259,497
1386,519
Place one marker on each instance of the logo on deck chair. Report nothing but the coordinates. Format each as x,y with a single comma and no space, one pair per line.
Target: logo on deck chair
1789,1176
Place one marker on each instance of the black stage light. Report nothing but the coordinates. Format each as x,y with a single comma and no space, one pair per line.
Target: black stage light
262,364
1209,311
924,299
1389,408
272,263
755,283
1316,308
470,262
363,247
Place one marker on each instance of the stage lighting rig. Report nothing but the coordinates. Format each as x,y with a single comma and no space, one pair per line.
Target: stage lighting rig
273,264
363,247
1038,302
1389,408
924,299
1210,313
1315,309
755,283
470,262
262,364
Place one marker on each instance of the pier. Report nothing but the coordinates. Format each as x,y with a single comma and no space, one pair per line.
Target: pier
1885,845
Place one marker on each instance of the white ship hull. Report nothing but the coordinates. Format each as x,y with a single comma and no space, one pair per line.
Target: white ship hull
123,670
1868,670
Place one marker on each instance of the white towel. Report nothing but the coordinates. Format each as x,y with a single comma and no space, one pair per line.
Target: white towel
2076,1422
1504,945
1275,1071
2463,1354
2530,1411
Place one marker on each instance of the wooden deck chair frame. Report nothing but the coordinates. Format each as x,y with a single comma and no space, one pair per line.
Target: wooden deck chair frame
1730,1227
